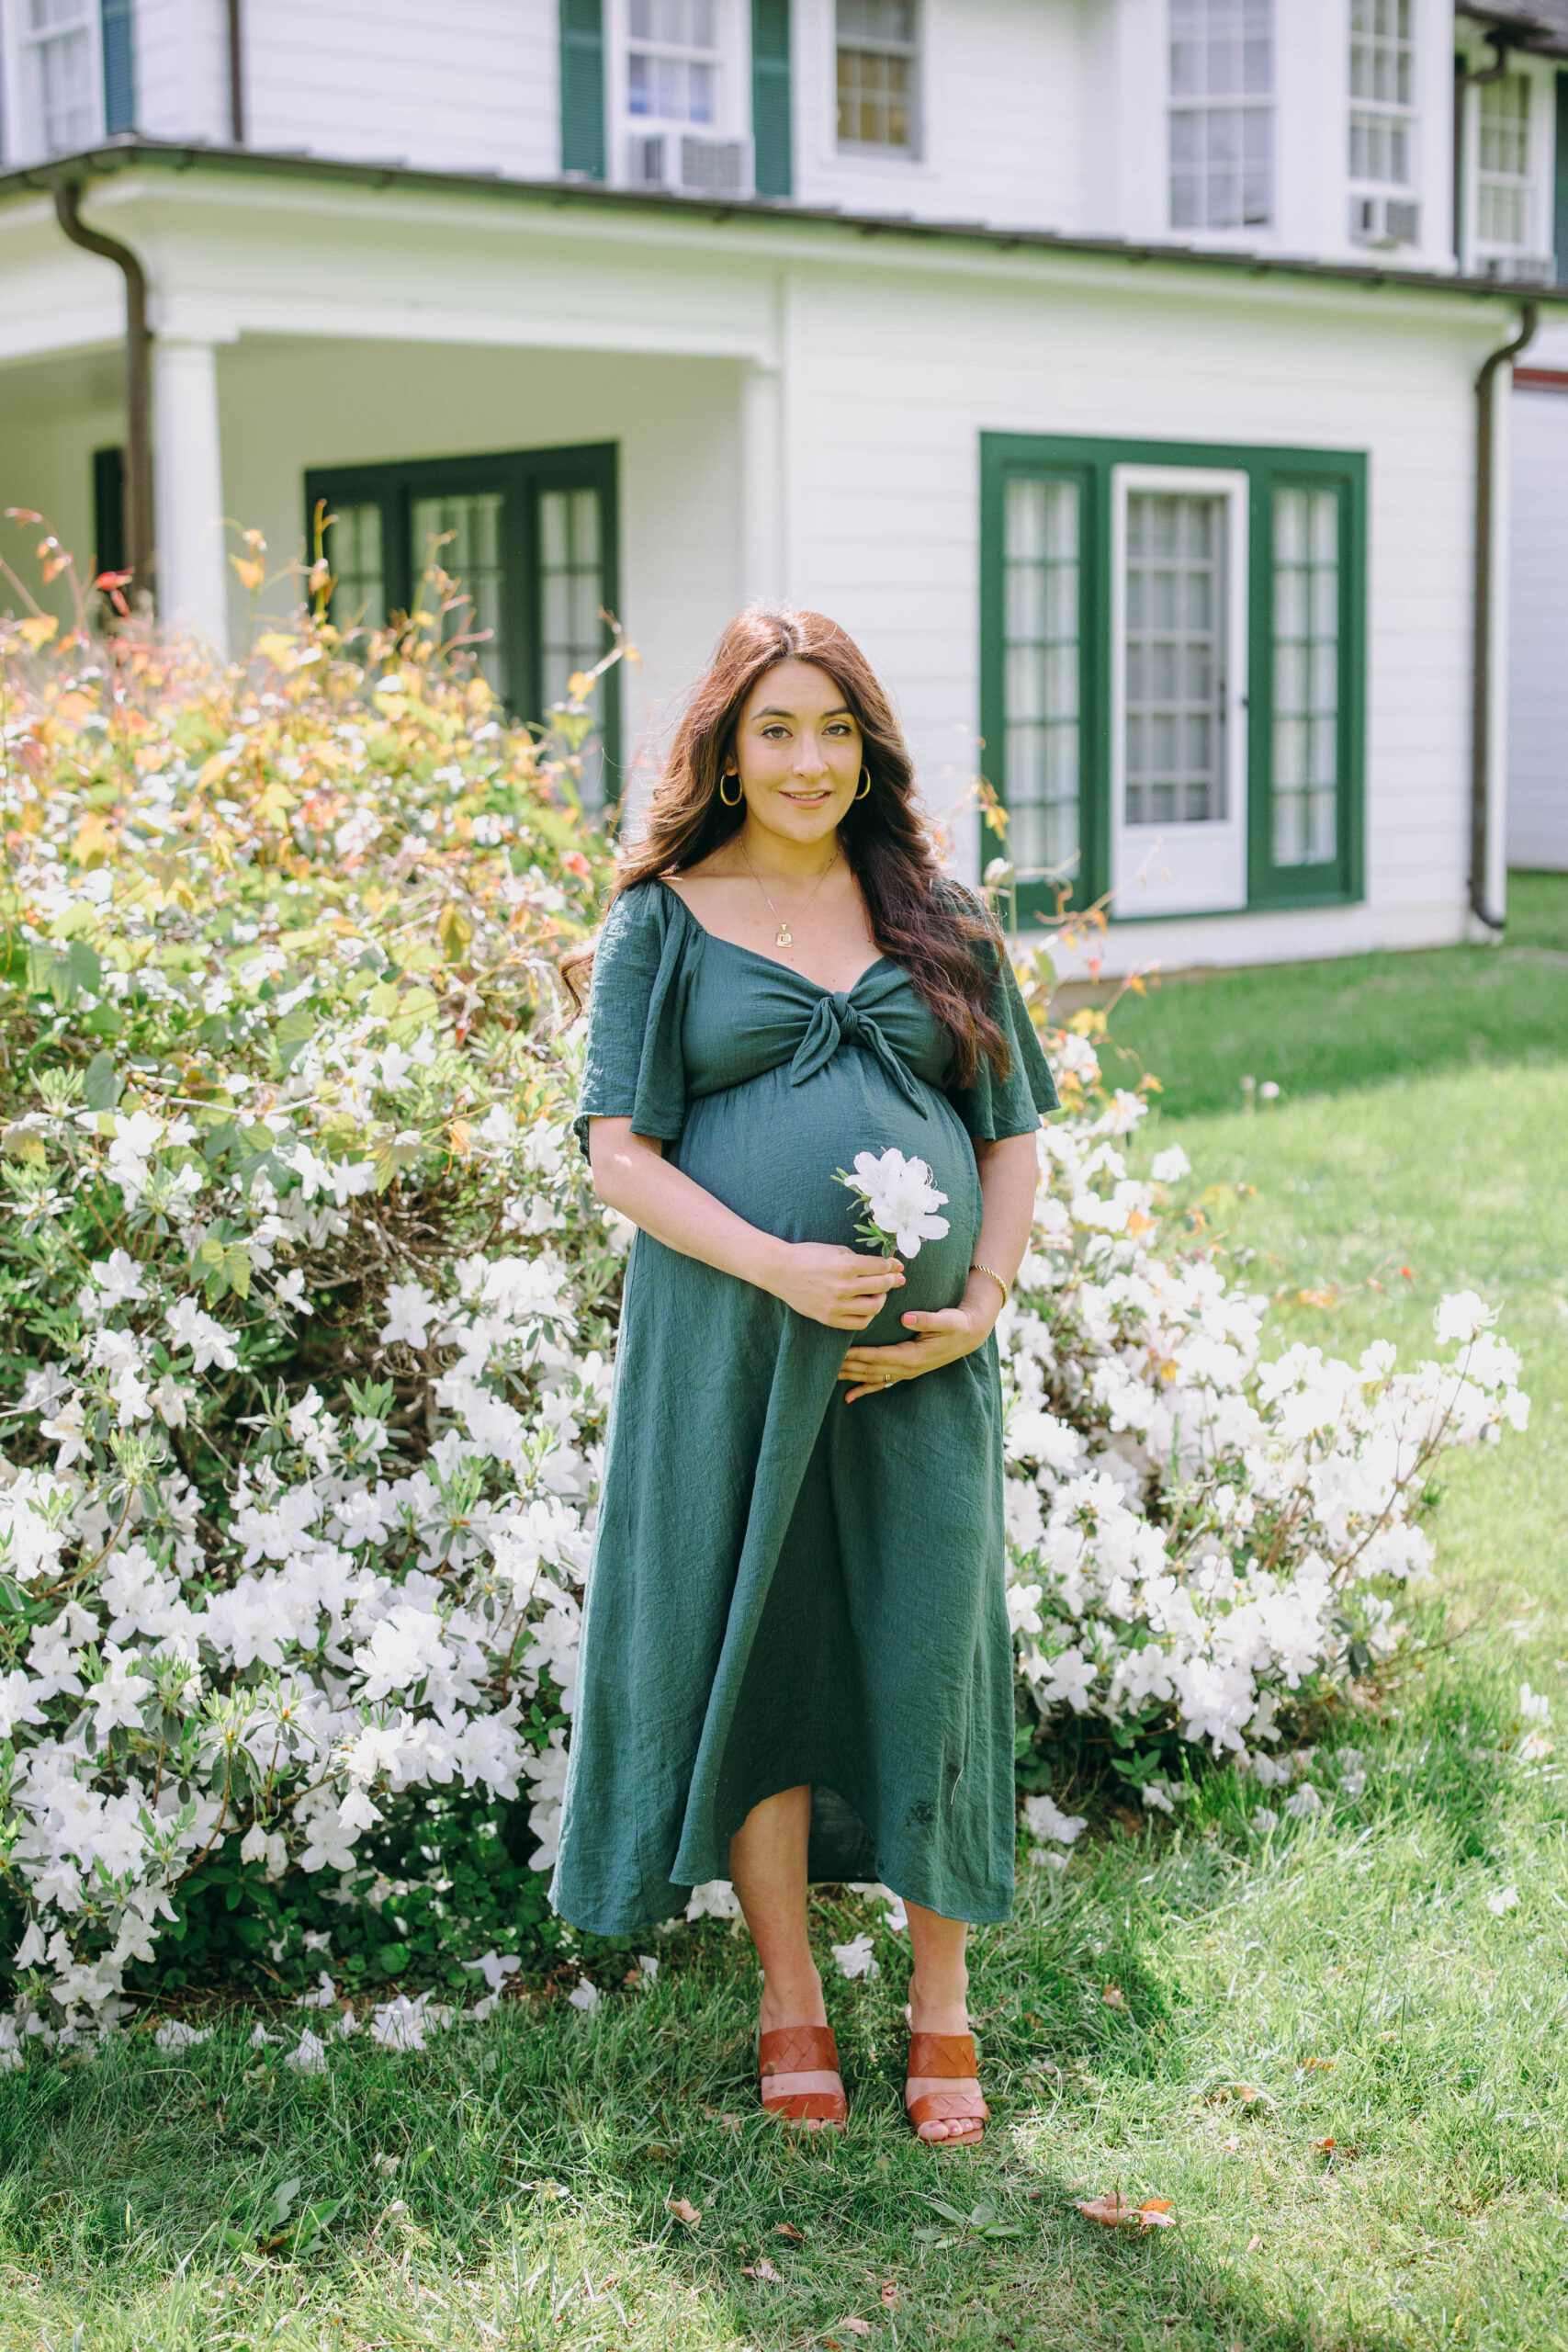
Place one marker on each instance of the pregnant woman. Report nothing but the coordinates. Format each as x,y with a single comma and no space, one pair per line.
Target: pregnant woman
796,1662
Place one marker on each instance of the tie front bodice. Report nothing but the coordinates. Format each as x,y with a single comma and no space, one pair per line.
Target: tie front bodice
838,1020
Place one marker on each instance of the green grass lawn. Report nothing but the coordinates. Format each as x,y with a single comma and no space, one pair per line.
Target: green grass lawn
1325,1028
1339,2062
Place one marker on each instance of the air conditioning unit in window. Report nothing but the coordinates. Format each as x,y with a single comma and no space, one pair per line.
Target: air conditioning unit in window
688,166
1384,220
1520,270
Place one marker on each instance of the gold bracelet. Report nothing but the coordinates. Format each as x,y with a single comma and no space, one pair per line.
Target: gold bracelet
1006,1288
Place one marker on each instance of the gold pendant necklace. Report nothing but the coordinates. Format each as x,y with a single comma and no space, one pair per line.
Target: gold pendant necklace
784,936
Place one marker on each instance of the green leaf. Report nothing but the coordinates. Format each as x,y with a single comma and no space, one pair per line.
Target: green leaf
84,962
293,1035
103,1085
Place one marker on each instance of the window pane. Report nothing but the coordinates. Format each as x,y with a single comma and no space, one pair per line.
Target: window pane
1306,677
1174,638
463,536
572,594
1382,90
354,551
877,71
1505,209
1221,119
1042,667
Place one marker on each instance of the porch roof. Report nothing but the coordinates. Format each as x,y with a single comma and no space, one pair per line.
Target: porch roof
130,151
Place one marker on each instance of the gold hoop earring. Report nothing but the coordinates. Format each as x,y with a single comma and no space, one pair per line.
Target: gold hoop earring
739,792
864,791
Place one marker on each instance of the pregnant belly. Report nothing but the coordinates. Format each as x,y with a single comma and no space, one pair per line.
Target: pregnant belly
768,1150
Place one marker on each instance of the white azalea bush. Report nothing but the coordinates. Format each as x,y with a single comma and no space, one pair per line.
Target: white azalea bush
1199,1537
307,1318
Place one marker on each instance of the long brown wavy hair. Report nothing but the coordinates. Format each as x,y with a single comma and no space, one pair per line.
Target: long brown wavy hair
934,929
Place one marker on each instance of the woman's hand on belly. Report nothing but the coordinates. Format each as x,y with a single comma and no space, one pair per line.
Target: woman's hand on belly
946,1333
843,1288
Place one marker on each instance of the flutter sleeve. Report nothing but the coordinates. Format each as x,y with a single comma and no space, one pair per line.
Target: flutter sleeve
993,1107
632,1066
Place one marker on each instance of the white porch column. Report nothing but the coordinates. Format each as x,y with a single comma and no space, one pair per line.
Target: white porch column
761,485
187,466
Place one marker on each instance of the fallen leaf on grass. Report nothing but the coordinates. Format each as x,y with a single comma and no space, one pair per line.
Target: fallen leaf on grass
1315,2065
788,2229
1323,2146
1236,2095
1154,2213
855,2326
888,2295
716,2115
1253,2245
762,2271
684,2212
1114,1997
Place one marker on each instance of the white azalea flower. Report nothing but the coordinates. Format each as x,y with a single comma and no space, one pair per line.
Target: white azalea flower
900,1198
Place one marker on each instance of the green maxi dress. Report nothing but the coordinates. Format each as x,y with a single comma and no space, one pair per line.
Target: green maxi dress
786,1590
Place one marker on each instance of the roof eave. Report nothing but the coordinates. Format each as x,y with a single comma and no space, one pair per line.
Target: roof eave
128,149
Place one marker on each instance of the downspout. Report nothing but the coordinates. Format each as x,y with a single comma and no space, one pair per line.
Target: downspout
139,549
1481,692
237,73
1465,79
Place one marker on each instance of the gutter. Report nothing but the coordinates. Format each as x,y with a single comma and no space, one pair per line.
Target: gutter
129,152
140,529
1480,777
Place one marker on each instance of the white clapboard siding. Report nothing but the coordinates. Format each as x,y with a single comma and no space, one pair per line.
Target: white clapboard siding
1006,118
470,88
182,70
1538,698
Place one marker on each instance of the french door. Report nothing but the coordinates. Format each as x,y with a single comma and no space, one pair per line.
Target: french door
1179,765
531,537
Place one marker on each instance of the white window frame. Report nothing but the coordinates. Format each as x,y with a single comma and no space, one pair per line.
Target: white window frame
23,130
1533,185
1392,111
1194,868
1240,104
732,93
873,150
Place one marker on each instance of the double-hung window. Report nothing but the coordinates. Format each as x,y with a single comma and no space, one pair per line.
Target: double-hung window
58,67
878,76
677,106
1384,209
1221,114
530,535
1506,197
1171,672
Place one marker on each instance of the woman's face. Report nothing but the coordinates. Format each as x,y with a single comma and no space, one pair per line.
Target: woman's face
798,752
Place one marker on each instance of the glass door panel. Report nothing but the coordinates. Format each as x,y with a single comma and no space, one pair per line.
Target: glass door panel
1179,728
1041,567
464,536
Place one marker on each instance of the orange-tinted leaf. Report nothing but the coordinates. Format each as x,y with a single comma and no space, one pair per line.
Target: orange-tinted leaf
1323,2146
684,2210
888,2295
1114,1997
39,629
788,2229
1115,2212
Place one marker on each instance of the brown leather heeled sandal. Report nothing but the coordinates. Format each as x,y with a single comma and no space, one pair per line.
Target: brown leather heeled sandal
801,2050
950,2055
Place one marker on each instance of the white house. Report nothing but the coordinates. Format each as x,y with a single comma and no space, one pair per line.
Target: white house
1106,365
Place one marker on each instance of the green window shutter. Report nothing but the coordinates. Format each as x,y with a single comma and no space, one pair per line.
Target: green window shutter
120,71
583,87
1560,194
770,126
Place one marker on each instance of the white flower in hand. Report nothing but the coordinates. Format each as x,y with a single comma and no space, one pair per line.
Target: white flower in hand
899,1198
